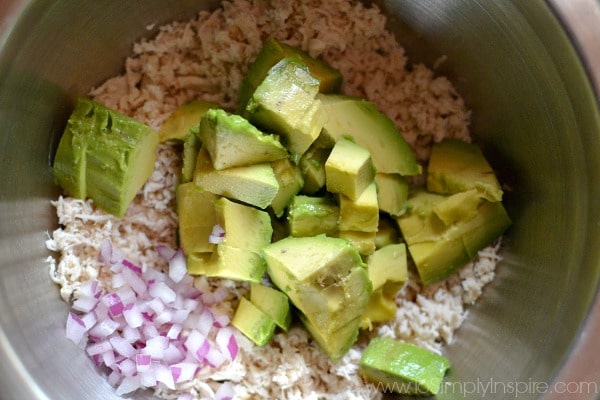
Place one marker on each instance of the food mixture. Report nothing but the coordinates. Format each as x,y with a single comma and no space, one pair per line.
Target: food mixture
206,59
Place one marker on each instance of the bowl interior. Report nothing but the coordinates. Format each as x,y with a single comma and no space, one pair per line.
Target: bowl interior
534,113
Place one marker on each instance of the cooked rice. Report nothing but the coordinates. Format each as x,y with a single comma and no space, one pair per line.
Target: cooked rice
206,59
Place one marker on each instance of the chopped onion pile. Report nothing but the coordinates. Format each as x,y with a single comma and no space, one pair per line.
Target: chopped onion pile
155,329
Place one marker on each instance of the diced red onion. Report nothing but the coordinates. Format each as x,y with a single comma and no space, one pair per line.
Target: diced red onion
217,235
142,362
76,328
128,385
99,348
177,266
165,252
153,328
132,267
224,392
214,357
162,291
104,328
122,346
133,316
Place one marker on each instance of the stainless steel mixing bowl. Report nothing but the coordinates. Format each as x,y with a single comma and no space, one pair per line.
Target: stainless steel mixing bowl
529,69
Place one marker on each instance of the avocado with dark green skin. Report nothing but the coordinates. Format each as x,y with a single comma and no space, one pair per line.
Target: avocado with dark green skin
273,51
403,367
104,155
361,120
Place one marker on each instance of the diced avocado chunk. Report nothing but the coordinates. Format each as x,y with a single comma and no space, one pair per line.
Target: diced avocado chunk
387,232
403,367
388,264
237,257
334,344
326,281
231,141
381,307
439,249
245,227
360,119
312,163
311,216
186,117
253,184
197,217
392,193
290,182
387,269
272,302
69,168
106,156
348,169
460,207
253,323
457,166
361,214
191,147
284,103
330,79
364,242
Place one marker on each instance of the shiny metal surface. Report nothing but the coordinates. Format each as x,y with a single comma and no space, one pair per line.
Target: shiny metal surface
528,69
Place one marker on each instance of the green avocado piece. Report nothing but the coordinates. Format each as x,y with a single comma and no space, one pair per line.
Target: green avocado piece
231,141
439,249
196,216
312,163
273,51
370,128
349,169
69,167
191,147
334,344
311,216
185,118
381,308
272,302
253,323
387,232
236,264
457,166
364,242
461,206
290,182
392,193
106,156
252,184
388,264
362,214
325,279
245,227
284,103
403,367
